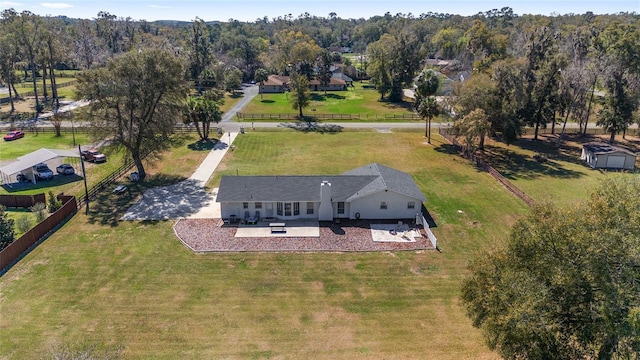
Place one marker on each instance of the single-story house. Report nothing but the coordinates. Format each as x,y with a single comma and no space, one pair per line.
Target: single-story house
372,191
347,79
335,84
605,156
274,84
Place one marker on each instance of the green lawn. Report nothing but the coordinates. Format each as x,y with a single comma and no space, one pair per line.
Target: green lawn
16,214
135,285
357,100
10,150
563,178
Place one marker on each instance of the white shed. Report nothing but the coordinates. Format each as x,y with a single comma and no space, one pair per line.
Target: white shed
605,156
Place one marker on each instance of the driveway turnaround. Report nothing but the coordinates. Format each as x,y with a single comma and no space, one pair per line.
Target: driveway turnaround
169,202
187,198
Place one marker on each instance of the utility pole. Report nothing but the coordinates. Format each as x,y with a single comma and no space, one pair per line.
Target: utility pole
84,177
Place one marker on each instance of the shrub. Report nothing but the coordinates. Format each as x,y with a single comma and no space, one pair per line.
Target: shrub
53,203
23,224
7,232
40,210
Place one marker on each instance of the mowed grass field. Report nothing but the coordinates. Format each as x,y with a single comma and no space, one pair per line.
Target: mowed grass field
134,285
355,100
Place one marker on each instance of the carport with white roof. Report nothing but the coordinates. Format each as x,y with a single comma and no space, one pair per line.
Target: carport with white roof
24,165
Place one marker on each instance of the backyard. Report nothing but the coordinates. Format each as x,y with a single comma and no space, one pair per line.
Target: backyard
136,285
98,281
562,177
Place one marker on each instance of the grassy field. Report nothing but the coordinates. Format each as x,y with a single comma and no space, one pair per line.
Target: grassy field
10,150
563,178
16,214
357,100
135,285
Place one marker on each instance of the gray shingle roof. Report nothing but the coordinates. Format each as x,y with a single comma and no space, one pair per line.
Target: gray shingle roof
387,179
602,148
351,185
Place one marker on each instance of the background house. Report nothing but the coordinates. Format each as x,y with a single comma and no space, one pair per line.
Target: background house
335,84
275,84
372,191
605,156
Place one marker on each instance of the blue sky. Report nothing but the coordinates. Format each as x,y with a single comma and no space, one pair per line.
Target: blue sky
250,10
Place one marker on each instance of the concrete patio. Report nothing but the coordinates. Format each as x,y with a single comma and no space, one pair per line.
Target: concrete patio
295,228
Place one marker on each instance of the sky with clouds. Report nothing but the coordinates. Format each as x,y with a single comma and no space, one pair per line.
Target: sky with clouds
250,10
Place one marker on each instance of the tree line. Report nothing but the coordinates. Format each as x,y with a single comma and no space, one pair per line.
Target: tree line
518,70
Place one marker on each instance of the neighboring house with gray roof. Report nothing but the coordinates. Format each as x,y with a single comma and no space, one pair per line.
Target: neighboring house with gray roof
372,191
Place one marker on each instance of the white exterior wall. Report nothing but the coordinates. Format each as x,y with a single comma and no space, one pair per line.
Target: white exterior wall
369,206
346,214
233,208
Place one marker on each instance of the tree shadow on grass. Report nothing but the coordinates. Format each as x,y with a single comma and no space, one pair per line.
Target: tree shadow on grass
446,149
396,106
323,97
568,150
313,126
335,96
203,145
107,208
513,165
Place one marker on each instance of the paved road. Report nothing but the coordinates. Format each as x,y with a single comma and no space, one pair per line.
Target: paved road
250,91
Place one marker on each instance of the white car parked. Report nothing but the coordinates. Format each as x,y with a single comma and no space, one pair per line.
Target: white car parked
42,171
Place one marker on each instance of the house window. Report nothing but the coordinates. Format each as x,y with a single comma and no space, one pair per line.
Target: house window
296,208
309,208
383,205
341,208
411,205
279,209
245,205
258,205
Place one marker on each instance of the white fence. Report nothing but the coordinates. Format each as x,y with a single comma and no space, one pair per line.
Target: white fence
421,220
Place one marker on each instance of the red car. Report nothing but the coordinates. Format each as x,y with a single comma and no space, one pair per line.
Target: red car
13,135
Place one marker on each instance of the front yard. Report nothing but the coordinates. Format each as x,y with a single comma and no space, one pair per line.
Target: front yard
359,100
